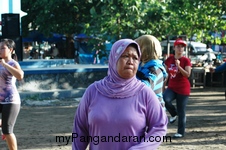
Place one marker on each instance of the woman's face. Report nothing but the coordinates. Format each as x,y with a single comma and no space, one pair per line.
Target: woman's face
128,63
4,50
179,49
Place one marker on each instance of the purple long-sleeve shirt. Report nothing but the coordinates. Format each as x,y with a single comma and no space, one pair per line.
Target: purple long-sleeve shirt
118,124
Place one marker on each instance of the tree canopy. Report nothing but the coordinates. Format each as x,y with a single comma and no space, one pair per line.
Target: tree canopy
115,19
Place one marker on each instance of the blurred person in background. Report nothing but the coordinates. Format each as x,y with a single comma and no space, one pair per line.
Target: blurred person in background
179,70
151,70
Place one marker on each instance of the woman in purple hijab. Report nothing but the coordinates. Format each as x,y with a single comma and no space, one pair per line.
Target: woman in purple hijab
119,112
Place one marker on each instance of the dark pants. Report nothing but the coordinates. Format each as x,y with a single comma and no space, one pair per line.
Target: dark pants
180,110
9,116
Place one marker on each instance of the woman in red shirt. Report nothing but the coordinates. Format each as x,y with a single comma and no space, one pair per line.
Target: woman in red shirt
179,70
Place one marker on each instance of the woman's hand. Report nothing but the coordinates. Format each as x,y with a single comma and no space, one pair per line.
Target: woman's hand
177,62
2,62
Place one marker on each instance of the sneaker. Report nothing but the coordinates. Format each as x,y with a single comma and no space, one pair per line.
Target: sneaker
173,119
177,135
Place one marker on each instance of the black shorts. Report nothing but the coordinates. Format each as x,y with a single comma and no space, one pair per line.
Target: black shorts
9,116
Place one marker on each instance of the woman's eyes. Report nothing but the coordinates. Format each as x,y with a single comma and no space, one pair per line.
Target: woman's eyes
127,56
135,58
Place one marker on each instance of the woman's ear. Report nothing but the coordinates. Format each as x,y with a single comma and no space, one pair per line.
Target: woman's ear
12,51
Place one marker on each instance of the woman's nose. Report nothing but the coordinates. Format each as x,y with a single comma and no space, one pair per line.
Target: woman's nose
130,60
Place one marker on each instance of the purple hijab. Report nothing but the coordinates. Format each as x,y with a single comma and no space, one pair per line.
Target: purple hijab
113,85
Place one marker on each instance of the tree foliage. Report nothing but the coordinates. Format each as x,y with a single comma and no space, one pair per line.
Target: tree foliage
125,18
114,19
196,17
61,16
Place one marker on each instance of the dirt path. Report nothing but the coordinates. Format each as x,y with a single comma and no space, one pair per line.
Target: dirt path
38,126
206,123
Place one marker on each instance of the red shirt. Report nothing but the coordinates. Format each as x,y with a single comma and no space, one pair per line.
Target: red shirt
177,82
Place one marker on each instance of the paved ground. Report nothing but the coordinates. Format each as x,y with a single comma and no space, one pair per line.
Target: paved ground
39,123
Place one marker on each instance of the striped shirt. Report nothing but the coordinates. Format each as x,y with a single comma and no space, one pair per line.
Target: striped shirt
153,74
